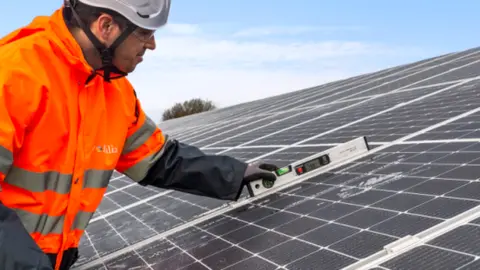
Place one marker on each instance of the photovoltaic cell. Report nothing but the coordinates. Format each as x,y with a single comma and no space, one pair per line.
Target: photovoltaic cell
410,118
116,174
414,80
465,128
310,97
309,101
293,100
253,137
264,106
454,249
471,70
377,84
335,120
185,133
428,258
214,135
342,216
134,214
448,57
328,221
401,80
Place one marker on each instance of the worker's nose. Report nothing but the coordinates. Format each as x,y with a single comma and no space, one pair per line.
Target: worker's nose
150,44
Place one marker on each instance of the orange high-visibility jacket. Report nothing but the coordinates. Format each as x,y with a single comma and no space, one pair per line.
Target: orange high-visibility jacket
55,129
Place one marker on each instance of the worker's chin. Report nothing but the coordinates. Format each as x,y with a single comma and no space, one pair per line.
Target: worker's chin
130,69
127,67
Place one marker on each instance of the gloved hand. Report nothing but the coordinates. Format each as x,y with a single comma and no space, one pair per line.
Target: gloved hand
259,170
17,248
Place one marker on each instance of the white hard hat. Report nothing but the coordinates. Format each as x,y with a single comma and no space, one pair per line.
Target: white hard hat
147,14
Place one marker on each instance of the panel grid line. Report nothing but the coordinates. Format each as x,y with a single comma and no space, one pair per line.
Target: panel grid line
152,229
371,206
380,113
369,89
418,132
423,166
453,250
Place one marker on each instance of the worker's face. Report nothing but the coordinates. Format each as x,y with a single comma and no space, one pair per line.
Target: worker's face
131,50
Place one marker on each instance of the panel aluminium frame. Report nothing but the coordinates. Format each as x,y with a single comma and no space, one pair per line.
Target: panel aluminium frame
335,88
229,207
458,74
396,82
284,124
353,113
245,201
222,127
208,142
371,116
355,94
410,242
429,74
289,127
408,119
378,76
467,128
124,209
284,149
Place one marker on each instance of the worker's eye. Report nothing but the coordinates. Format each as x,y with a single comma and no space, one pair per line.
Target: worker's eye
144,34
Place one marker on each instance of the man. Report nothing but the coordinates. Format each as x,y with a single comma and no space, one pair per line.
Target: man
64,99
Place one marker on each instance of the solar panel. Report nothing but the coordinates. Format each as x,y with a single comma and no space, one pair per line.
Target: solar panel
411,202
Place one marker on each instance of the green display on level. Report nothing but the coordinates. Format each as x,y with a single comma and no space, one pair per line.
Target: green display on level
283,171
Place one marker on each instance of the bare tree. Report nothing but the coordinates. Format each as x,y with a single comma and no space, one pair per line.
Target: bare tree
188,107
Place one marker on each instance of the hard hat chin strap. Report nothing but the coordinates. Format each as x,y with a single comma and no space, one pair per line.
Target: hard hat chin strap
110,71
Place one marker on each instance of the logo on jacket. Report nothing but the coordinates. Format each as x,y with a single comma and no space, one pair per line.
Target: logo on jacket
106,148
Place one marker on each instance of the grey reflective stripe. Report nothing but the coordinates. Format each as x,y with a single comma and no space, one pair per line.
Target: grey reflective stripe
138,171
6,159
97,178
39,182
140,136
81,220
41,223
55,181
45,224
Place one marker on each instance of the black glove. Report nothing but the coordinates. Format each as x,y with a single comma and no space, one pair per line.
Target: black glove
17,248
260,171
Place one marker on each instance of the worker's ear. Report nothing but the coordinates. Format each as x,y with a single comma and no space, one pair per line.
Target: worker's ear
105,29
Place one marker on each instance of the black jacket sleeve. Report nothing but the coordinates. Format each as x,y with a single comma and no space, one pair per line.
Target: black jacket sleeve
17,248
186,168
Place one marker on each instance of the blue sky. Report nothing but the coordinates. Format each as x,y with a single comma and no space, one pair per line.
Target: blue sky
442,25
230,51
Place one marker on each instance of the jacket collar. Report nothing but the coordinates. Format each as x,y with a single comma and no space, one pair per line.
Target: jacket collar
66,43
60,40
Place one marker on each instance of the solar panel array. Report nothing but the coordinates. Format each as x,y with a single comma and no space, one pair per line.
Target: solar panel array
412,203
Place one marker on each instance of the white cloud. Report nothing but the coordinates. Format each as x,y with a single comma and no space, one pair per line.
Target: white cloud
181,29
292,30
222,85
225,51
192,62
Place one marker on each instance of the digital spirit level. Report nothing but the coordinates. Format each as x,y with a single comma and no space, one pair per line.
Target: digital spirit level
320,162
